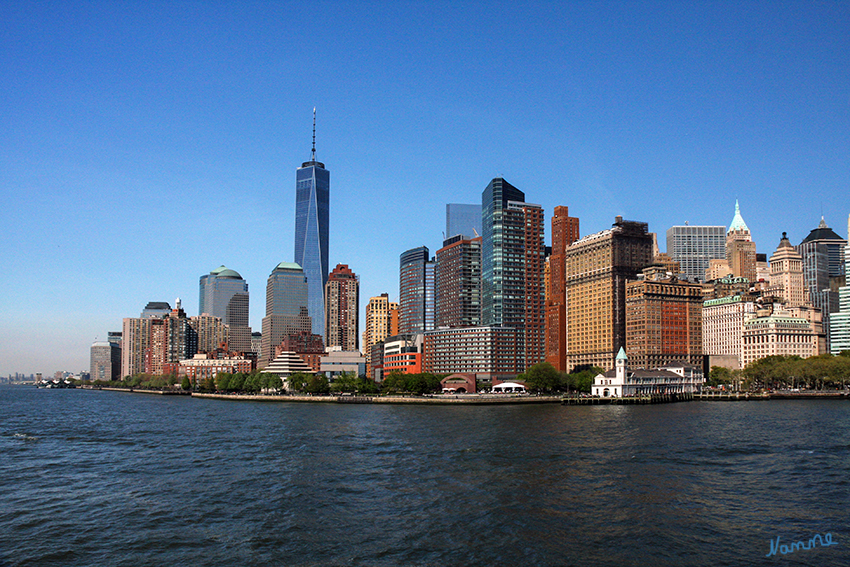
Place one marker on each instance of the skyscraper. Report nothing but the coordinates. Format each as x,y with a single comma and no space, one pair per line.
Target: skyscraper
740,248
597,269
224,294
286,308
464,220
342,299
839,321
312,205
786,274
694,247
459,283
823,270
512,260
565,231
416,291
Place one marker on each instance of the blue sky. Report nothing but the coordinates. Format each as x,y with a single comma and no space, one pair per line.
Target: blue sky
144,144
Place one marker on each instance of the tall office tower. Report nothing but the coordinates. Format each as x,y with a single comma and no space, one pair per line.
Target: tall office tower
786,275
597,269
224,294
286,308
694,247
105,361
342,298
564,233
459,283
512,260
823,270
463,220
839,322
416,291
663,320
740,248
312,205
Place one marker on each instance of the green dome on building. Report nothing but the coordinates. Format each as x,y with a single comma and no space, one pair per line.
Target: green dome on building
223,272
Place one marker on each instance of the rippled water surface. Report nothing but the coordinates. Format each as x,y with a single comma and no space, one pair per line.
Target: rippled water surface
107,478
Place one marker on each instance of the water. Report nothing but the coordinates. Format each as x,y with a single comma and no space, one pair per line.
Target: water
105,478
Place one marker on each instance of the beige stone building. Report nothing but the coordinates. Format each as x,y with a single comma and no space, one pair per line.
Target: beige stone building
740,248
777,333
786,275
722,326
597,268
381,321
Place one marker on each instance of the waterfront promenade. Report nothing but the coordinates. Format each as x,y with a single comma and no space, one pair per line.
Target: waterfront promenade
470,399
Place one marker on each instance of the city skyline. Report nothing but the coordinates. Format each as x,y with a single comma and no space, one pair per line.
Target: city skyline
142,149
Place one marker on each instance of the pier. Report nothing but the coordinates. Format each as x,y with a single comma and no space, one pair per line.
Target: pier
628,400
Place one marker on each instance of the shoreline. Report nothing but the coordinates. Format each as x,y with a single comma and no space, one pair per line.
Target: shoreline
469,399
487,399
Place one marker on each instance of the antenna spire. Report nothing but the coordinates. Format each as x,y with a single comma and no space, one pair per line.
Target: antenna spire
313,158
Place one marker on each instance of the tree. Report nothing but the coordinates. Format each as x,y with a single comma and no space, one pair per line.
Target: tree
298,381
582,381
222,381
719,375
185,383
317,384
542,377
208,384
345,382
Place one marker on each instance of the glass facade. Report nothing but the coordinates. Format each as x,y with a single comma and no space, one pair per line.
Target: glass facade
224,294
498,259
416,291
286,307
312,205
464,220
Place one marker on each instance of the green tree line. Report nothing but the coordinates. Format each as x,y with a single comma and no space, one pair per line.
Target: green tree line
545,378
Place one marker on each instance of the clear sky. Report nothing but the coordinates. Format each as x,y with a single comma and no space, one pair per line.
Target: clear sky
143,144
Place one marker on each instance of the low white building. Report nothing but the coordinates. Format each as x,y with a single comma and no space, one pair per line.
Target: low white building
676,378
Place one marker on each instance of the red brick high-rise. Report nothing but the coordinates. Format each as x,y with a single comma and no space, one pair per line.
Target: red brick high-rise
565,231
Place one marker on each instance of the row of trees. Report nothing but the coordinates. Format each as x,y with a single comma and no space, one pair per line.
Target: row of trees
543,377
823,372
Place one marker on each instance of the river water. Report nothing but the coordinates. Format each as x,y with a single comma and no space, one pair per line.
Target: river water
109,478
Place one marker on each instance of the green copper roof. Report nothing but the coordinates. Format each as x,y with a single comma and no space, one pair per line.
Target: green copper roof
223,272
622,354
738,221
287,266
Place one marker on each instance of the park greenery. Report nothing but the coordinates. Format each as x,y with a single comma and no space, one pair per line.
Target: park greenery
545,378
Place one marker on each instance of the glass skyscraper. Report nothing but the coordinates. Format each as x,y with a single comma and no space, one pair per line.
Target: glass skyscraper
464,220
224,294
312,205
286,308
416,291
